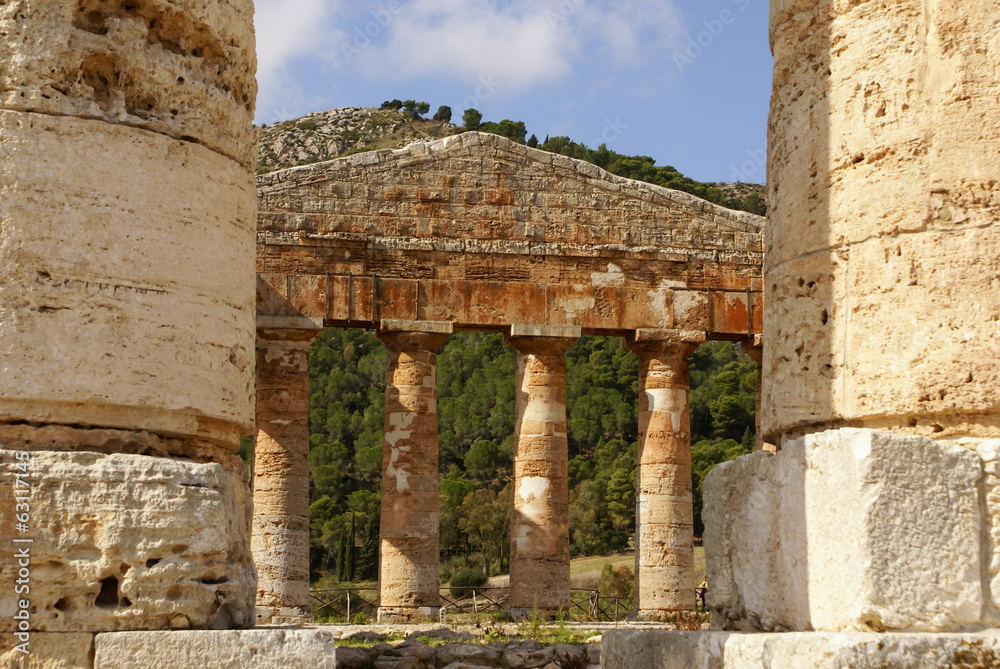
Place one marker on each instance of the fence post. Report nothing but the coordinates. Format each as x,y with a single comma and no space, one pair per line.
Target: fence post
348,605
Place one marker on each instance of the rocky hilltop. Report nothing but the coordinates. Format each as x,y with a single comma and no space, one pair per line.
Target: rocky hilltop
326,135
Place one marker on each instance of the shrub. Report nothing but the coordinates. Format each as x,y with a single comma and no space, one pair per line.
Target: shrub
465,580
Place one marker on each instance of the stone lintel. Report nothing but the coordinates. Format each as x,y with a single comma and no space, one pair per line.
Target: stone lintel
226,649
430,327
559,331
668,649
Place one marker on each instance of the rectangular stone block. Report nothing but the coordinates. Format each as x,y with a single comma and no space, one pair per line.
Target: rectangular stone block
231,649
847,530
121,542
47,651
662,649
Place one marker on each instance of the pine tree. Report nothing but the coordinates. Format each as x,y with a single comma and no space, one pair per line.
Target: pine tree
368,558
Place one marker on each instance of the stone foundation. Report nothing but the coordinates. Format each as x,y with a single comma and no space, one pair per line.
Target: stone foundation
123,542
802,650
848,530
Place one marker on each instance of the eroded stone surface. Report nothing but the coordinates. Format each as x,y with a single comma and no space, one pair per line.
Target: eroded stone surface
229,649
280,539
658,649
881,276
135,297
664,563
482,232
409,553
183,68
846,530
539,551
47,650
129,542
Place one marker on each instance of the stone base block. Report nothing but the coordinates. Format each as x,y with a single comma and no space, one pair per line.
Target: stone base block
661,649
124,542
848,530
269,615
427,614
232,649
46,651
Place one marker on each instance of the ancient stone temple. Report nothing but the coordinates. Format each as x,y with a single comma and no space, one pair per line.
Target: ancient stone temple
126,320
879,512
475,232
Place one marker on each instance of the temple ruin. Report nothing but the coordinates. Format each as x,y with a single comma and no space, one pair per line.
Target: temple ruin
127,342
476,232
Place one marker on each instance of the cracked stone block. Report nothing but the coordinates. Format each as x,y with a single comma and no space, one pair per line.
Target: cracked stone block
846,530
125,542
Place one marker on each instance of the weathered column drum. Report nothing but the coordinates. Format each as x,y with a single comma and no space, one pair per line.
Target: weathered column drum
127,215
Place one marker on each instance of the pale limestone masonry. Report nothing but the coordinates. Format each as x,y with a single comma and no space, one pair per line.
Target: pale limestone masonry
179,68
539,526
664,544
881,269
126,315
409,552
847,530
124,542
280,537
230,649
816,650
103,299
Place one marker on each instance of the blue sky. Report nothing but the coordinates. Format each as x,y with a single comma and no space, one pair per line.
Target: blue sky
684,81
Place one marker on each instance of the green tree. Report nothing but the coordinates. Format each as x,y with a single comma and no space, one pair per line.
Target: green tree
471,120
415,109
514,130
443,114
486,521
368,557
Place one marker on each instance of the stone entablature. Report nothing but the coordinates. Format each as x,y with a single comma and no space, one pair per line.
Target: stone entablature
482,232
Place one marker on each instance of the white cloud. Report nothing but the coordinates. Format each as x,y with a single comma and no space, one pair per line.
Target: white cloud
519,44
523,43
286,30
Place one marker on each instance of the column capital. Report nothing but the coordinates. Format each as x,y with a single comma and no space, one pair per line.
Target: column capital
414,335
664,343
753,348
542,339
280,329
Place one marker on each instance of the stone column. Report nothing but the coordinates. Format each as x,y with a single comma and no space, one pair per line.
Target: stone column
127,221
753,348
409,549
280,540
883,233
539,551
664,544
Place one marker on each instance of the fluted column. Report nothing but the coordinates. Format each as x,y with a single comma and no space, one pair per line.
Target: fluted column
280,539
664,551
409,551
539,552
